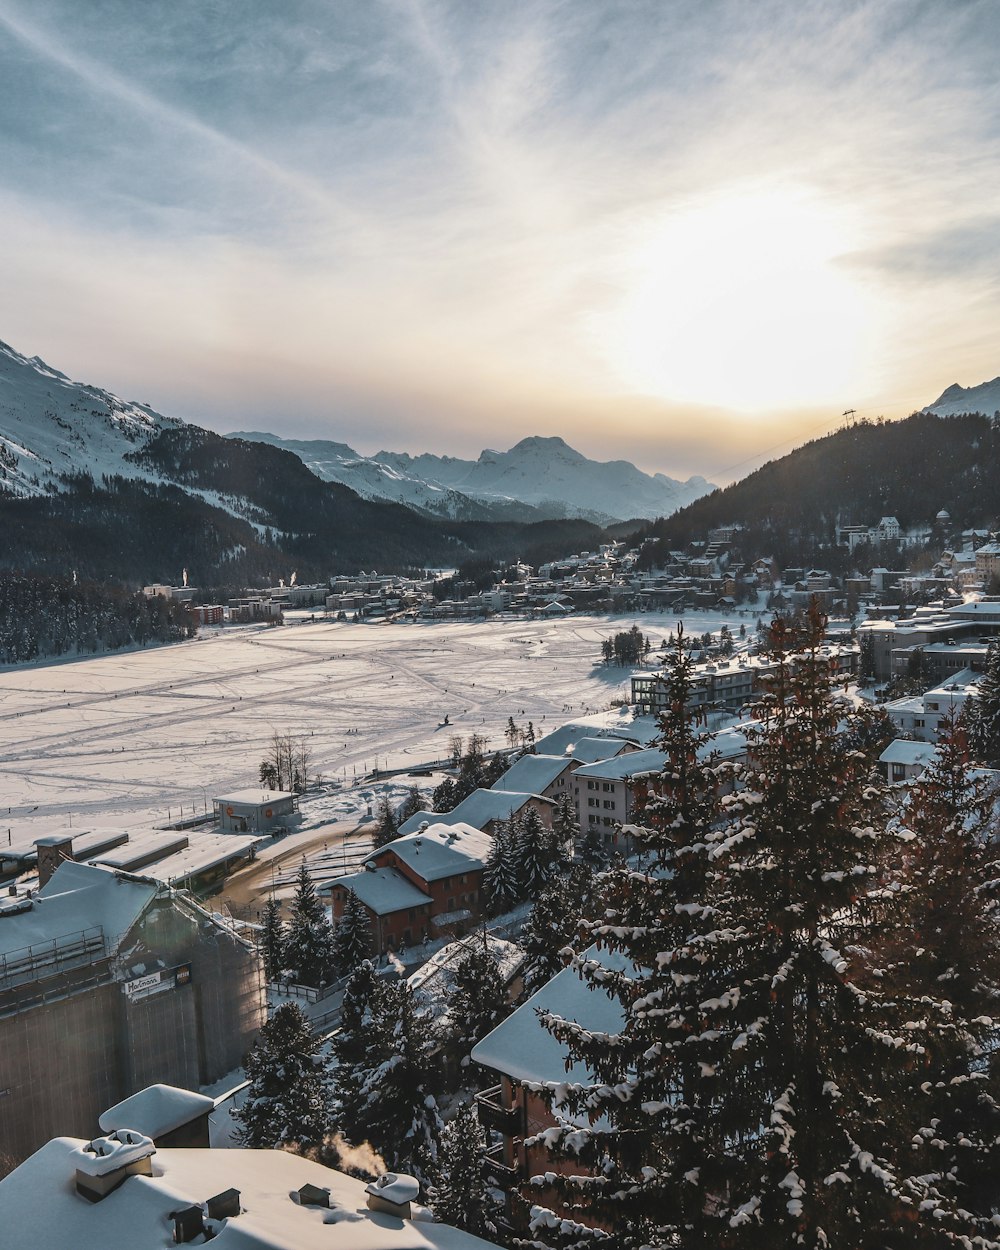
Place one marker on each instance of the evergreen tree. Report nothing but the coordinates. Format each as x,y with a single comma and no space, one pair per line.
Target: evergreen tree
288,1100
458,1193
353,1046
565,825
272,940
386,826
412,804
309,939
752,1094
445,796
500,885
984,712
536,856
396,1103
948,963
352,936
553,924
478,1001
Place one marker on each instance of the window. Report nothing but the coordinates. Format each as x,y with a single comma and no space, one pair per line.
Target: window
593,802
590,785
610,803
607,787
413,914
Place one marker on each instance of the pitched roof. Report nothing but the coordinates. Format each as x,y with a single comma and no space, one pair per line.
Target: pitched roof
440,850
479,809
532,773
156,1110
384,890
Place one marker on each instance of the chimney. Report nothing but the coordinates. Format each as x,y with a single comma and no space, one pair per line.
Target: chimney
52,852
189,1223
223,1205
392,1194
104,1163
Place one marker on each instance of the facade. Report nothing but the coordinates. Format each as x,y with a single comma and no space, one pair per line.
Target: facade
109,982
419,885
921,717
254,810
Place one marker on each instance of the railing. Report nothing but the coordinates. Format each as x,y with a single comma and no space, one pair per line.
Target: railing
69,950
495,1169
287,989
494,1115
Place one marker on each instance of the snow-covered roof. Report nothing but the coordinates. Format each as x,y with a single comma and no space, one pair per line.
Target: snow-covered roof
207,850
440,850
156,1110
521,1048
590,750
641,729
532,773
254,796
631,764
40,1197
903,751
479,809
384,890
78,897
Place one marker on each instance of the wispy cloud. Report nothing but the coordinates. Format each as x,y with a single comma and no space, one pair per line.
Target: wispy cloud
412,221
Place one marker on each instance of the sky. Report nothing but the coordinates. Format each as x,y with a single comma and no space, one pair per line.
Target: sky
686,234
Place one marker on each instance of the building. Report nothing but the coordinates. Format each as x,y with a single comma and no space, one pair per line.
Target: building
254,810
483,809
546,775
126,1188
921,717
903,760
419,885
110,982
524,1054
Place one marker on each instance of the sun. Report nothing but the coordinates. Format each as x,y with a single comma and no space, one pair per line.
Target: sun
739,302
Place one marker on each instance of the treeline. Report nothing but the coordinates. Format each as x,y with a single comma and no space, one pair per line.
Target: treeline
48,616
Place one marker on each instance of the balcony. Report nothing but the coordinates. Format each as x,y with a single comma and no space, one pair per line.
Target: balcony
495,1170
494,1115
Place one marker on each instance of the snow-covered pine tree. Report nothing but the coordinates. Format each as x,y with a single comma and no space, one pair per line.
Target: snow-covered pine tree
396,1094
478,1001
458,1193
983,713
500,887
309,938
658,1156
553,923
536,862
565,826
411,805
354,1046
386,825
352,936
272,940
948,963
288,1100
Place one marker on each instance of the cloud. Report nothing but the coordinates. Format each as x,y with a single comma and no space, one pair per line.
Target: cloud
409,218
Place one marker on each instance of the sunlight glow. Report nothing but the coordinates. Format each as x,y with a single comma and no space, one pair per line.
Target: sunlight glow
738,302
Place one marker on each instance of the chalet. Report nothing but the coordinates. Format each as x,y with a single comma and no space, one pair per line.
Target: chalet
524,1054
419,885
148,986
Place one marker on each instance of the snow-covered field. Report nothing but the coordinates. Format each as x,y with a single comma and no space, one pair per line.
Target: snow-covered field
132,739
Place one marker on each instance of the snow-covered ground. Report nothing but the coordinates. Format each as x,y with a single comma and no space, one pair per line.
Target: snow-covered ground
131,739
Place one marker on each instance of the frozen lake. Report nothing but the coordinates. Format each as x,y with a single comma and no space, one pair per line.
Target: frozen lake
127,739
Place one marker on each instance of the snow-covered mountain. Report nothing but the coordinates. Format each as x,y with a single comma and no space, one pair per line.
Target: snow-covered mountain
957,399
543,474
51,427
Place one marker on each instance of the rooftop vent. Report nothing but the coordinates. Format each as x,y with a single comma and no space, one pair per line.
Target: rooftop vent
189,1223
223,1205
313,1196
392,1193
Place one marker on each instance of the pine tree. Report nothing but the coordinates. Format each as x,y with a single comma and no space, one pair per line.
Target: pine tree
309,940
500,885
412,804
948,963
565,826
272,940
396,1103
536,857
478,1001
352,937
458,1193
553,924
288,1100
354,1046
983,713
752,1094
386,826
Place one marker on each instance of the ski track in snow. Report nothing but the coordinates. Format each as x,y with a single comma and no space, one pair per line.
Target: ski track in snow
119,740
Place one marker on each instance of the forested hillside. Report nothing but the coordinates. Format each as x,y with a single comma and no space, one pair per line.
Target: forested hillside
909,469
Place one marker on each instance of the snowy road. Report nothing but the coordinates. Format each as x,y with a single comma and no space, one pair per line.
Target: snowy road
128,739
